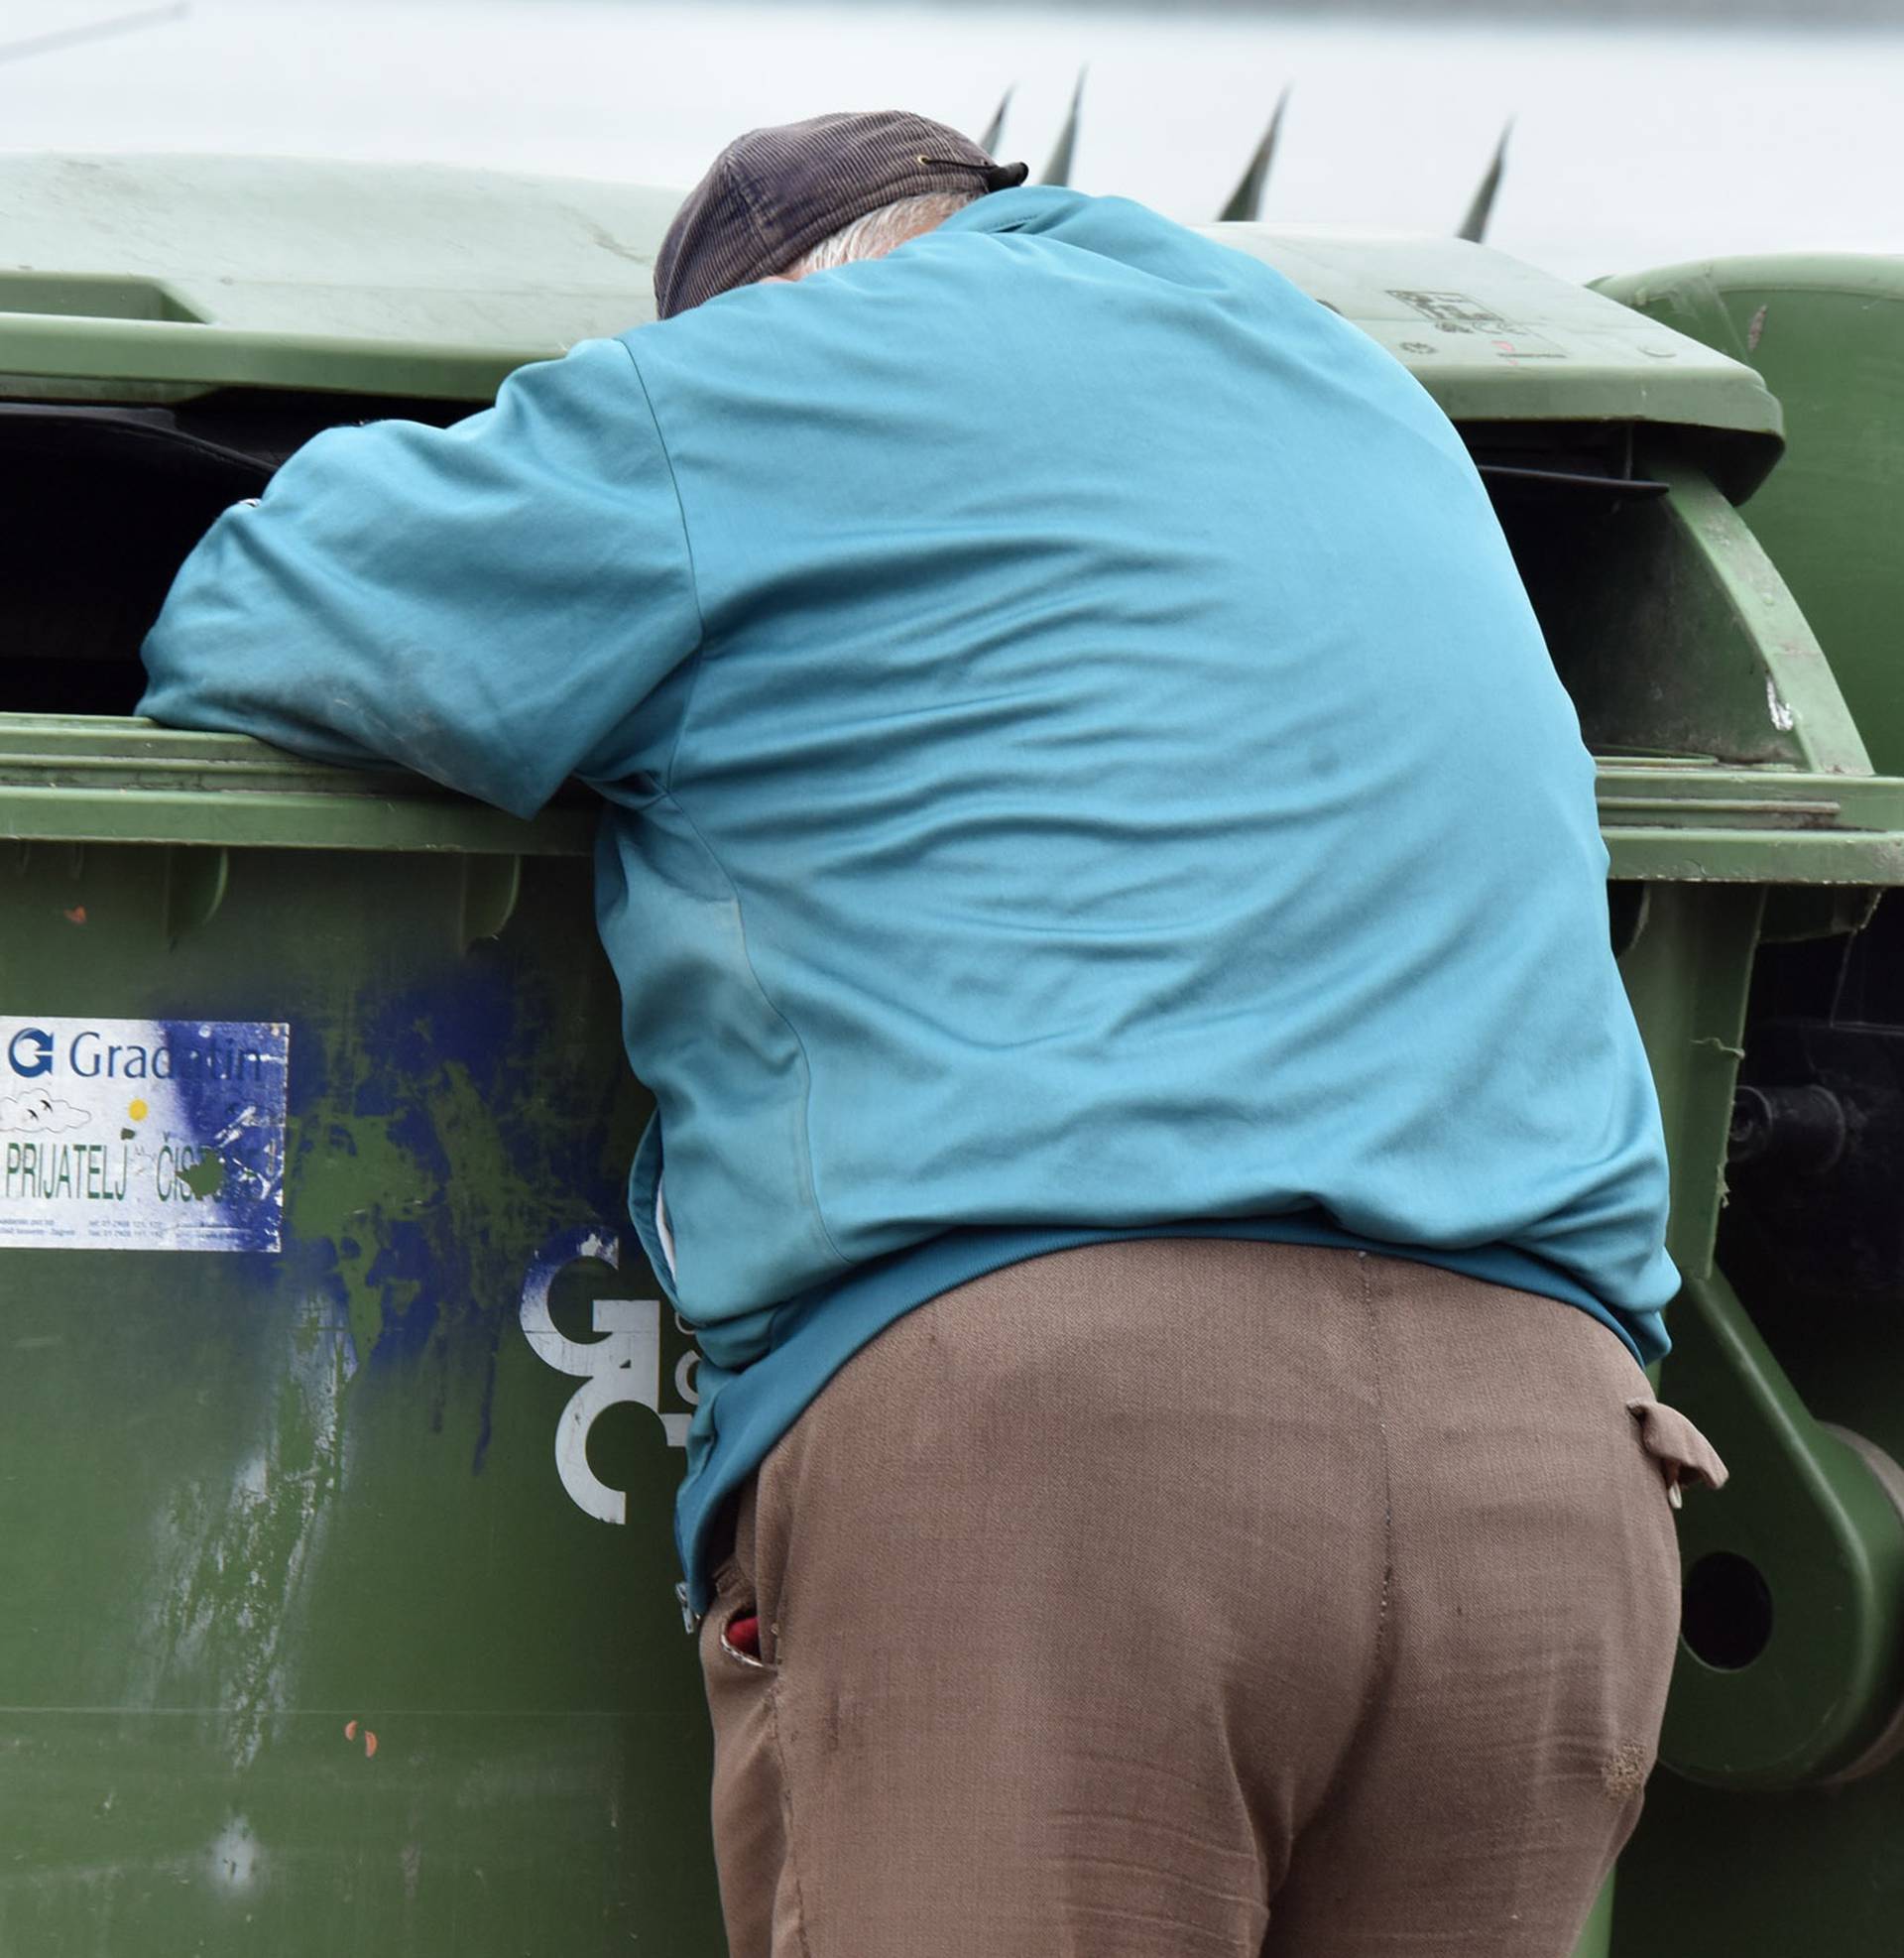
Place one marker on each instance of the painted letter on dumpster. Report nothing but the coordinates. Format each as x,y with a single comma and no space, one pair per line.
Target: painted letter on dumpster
158,1135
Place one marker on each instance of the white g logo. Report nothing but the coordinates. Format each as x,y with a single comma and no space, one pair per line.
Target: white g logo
625,1364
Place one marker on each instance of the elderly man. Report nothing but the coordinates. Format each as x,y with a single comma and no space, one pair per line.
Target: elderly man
1105,889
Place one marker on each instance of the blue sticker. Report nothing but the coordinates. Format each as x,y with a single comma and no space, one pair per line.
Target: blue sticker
159,1135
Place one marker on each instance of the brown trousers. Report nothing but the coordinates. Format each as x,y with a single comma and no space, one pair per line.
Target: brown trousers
1195,1597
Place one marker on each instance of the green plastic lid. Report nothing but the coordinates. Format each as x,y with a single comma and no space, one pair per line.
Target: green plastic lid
1494,339
157,277
143,277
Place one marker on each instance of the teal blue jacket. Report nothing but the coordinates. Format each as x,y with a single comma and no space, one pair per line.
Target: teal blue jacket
1078,759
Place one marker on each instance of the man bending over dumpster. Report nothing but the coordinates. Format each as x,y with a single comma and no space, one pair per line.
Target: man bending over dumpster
1105,889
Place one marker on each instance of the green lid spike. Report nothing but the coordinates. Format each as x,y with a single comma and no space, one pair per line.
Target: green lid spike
1245,200
1475,225
1058,169
994,129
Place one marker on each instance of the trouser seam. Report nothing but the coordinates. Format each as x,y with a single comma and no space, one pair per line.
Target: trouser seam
1388,1480
773,1614
1378,1654
787,1814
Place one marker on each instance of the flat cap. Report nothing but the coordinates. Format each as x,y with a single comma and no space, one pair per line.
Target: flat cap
775,193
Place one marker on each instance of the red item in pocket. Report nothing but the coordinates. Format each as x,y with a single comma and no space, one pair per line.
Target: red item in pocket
743,1634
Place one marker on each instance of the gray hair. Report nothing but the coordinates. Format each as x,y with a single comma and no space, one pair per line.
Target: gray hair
878,231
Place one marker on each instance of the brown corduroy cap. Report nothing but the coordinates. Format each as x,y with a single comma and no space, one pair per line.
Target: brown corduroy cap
775,193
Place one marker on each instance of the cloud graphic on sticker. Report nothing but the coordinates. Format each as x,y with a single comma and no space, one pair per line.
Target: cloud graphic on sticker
41,1115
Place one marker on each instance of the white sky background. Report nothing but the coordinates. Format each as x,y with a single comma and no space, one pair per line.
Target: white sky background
1632,147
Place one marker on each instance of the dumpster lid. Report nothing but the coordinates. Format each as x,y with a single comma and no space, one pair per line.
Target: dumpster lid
1496,339
157,277
1697,293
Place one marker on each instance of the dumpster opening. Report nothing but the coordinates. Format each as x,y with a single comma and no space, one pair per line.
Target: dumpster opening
99,505
1631,556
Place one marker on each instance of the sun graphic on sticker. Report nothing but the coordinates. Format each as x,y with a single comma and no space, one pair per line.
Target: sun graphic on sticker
137,1110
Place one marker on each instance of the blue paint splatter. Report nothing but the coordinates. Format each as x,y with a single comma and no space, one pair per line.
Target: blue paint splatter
408,1270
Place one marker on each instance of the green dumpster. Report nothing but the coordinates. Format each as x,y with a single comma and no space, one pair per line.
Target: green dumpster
1790,1790
342,1421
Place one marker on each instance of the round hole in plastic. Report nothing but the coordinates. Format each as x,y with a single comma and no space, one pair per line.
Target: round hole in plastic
1727,1619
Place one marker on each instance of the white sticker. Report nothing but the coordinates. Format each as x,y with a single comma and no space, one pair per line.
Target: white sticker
159,1135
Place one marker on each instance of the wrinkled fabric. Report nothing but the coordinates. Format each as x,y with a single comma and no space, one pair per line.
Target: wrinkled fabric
1196,1598
813,1337
1078,756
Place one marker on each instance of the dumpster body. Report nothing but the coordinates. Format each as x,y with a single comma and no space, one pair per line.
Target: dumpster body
1792,1600
343,1420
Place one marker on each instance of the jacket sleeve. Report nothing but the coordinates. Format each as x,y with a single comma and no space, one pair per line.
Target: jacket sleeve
489,604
